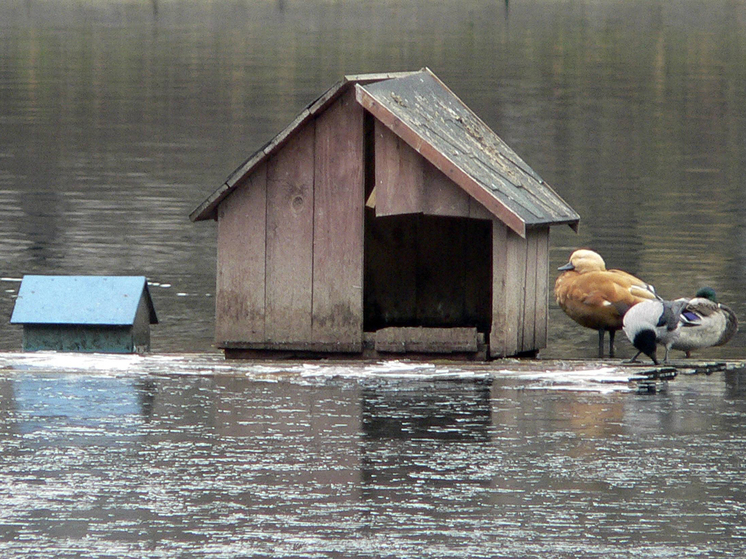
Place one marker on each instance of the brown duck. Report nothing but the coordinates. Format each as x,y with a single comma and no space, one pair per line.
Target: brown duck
598,298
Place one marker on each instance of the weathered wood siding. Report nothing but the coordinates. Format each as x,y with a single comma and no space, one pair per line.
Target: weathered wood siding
240,306
338,227
407,183
520,290
291,270
290,257
422,111
289,273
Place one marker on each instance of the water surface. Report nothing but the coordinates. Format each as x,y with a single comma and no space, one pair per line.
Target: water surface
170,457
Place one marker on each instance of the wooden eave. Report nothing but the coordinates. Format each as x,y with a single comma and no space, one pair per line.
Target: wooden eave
424,113
208,208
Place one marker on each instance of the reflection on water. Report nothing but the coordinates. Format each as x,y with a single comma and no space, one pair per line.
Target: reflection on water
349,463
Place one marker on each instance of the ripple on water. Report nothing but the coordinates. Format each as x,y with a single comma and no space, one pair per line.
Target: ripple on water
175,455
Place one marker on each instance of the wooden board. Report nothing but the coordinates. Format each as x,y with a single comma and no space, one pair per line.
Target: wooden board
520,303
289,268
442,196
438,158
499,331
541,332
241,262
515,286
399,175
422,111
407,183
338,226
509,292
526,340
426,340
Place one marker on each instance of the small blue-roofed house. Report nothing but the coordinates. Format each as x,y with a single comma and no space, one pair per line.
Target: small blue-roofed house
107,314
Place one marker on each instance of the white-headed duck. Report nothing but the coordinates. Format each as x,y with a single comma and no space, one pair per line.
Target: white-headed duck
705,323
598,298
650,323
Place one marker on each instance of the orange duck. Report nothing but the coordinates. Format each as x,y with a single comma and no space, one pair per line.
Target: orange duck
598,298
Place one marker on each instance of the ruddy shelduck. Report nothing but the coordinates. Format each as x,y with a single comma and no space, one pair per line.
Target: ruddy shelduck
598,298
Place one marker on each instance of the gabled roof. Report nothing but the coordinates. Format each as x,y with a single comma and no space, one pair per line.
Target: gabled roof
422,111
206,210
81,300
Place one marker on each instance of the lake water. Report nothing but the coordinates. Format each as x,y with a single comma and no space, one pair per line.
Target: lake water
183,456
118,117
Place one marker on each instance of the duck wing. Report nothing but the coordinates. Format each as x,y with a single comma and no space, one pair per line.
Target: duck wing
637,288
701,307
713,322
671,315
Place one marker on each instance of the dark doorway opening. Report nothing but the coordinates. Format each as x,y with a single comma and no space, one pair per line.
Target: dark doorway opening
428,271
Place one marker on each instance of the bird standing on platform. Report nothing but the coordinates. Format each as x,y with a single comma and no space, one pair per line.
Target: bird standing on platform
651,323
598,298
705,323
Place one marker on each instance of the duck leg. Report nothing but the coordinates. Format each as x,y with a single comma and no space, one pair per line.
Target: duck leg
634,359
601,342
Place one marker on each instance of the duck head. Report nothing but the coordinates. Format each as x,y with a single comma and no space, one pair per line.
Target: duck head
646,342
707,293
641,324
584,260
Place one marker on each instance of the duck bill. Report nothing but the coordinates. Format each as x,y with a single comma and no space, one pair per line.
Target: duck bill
653,356
566,267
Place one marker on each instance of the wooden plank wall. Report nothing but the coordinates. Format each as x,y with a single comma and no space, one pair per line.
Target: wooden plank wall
289,262
399,175
407,183
290,248
290,257
338,227
520,299
239,312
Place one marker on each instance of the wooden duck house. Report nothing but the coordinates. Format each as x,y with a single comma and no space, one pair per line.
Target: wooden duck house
105,314
387,218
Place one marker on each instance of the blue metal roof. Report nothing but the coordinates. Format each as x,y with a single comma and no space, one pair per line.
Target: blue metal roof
101,300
